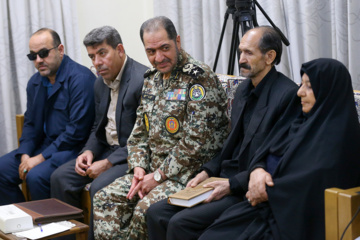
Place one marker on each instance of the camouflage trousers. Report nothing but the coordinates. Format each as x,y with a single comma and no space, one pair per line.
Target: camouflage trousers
115,217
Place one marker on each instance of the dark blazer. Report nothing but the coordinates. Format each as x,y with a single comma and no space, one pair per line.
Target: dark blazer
66,114
129,99
273,100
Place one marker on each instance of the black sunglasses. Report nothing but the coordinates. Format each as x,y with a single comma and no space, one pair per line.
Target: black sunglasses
43,53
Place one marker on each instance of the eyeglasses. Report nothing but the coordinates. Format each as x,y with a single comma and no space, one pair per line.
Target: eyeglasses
43,53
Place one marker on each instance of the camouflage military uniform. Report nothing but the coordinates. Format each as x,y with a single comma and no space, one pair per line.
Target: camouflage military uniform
181,123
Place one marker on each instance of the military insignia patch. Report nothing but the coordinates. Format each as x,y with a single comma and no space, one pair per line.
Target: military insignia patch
172,125
176,95
193,70
147,96
197,92
146,121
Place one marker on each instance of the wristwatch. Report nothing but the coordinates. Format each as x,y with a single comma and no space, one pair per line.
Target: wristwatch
157,176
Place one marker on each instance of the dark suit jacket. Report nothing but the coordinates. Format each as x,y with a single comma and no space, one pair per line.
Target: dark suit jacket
129,99
66,114
274,98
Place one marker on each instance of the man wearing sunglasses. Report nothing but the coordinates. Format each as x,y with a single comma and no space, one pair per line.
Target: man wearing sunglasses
58,119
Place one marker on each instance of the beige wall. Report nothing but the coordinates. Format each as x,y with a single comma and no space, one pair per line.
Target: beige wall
124,15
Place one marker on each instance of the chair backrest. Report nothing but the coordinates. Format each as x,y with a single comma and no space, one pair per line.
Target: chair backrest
19,126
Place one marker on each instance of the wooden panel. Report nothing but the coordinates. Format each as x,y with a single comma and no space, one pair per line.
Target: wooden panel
348,203
331,213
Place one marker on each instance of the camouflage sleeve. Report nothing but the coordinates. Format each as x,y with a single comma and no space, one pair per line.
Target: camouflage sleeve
137,145
204,130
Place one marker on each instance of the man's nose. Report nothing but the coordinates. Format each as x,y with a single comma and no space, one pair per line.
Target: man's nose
159,57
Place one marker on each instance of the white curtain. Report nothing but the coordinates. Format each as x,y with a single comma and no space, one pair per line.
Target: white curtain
315,28
18,20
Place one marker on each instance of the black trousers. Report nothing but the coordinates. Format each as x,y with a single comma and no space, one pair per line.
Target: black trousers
171,222
243,222
67,185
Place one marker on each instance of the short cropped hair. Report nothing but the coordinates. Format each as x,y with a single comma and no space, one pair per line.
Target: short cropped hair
271,40
155,24
54,35
99,35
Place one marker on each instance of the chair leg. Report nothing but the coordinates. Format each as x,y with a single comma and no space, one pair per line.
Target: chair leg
25,191
86,205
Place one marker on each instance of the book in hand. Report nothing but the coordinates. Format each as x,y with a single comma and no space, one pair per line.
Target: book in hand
189,196
50,210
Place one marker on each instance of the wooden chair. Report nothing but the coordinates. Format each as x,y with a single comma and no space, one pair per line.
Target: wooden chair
85,196
340,207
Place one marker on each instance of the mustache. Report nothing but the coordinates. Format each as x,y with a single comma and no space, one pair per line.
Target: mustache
101,68
163,61
41,64
244,65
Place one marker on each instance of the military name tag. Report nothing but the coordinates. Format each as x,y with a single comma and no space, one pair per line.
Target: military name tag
176,95
148,96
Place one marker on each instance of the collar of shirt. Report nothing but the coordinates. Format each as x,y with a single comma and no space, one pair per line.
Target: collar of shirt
46,83
257,91
114,85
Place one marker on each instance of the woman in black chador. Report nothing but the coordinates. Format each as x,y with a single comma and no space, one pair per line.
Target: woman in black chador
319,150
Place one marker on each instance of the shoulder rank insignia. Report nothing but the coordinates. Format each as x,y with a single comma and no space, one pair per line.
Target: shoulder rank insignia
149,72
197,92
193,70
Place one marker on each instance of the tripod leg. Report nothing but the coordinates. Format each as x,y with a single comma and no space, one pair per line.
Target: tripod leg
220,41
233,47
238,51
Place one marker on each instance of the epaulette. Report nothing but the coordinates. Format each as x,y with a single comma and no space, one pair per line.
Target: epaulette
193,70
149,72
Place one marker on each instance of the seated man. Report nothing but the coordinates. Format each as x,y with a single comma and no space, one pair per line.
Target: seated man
58,118
300,159
117,96
181,123
259,103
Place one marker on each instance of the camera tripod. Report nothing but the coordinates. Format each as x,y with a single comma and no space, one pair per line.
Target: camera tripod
244,16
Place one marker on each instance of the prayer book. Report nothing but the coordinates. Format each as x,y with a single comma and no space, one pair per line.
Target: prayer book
189,196
50,210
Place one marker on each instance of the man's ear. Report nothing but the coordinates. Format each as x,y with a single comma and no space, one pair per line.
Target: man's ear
178,42
270,57
61,50
120,48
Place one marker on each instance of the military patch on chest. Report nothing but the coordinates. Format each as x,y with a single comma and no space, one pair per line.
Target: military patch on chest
172,125
176,95
146,122
193,70
197,92
148,96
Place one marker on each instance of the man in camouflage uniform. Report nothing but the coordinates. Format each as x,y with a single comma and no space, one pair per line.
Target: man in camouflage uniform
181,123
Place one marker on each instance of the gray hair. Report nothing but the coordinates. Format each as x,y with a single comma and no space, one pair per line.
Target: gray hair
154,24
103,34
